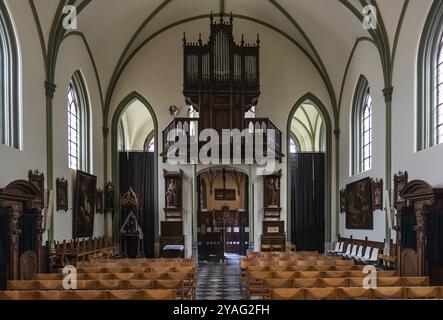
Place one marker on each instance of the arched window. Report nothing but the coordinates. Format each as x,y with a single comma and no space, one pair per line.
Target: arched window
362,128
430,81
10,119
150,142
78,124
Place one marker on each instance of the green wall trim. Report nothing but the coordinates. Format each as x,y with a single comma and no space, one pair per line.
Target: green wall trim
40,31
123,105
329,155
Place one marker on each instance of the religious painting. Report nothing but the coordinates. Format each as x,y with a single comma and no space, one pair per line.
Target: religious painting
84,205
99,201
377,195
225,195
359,213
109,197
61,186
343,201
400,181
38,180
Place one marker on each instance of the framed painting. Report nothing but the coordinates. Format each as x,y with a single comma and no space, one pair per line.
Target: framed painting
61,186
225,194
359,213
400,181
99,201
343,201
84,205
377,194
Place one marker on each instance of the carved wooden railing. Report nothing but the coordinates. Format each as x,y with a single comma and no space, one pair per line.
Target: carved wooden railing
258,128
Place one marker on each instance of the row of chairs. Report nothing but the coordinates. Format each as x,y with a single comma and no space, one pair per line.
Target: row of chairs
261,254
357,253
302,268
295,263
120,276
381,293
316,274
156,294
134,269
71,252
184,288
138,263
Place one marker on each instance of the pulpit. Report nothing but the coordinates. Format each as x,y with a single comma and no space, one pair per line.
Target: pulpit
21,231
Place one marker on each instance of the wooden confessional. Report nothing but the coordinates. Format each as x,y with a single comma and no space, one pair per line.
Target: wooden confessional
420,231
20,231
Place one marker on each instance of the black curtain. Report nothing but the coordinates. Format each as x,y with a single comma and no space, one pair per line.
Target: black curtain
434,232
4,240
137,170
308,201
408,233
28,237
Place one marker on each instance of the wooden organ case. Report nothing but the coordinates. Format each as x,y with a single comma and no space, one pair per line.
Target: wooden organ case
221,77
21,231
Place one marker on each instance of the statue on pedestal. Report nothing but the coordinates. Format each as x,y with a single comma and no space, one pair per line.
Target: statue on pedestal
171,194
273,187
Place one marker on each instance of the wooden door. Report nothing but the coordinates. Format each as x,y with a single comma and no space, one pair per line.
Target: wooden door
233,229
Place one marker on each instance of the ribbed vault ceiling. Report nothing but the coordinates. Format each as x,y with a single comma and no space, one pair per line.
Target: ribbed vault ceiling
325,29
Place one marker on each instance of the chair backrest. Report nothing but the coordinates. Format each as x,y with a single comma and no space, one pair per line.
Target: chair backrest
277,283
159,294
421,293
333,282
354,293
18,295
110,285
50,285
254,276
354,250
340,262
305,283
53,295
360,252
124,295
337,246
286,294
388,293
87,295
335,274
416,281
374,255
320,293
285,274
22,285
367,252
309,274
390,282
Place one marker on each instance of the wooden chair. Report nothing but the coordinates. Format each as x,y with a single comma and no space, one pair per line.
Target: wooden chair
355,282
285,274
309,274
333,282
357,274
354,294
160,294
140,284
385,274
344,268
22,285
86,285
18,295
152,276
87,295
323,268
278,268
335,274
300,268
172,284
53,295
125,276
304,263
277,247
422,293
110,285
305,283
284,263
50,276
274,284
341,262
254,283
320,293
390,293
286,294
390,282
124,295
99,276
416,281
258,269
45,285
266,263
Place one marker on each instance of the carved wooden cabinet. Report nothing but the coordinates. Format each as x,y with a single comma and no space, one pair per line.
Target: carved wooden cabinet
419,200
20,231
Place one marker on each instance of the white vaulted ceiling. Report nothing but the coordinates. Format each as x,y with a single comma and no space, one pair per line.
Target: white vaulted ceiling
325,29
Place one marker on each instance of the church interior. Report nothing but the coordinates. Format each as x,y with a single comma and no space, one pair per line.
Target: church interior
221,149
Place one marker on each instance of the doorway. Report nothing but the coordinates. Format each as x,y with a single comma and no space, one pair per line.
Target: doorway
222,219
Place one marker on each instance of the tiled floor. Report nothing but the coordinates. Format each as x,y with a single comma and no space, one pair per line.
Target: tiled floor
219,280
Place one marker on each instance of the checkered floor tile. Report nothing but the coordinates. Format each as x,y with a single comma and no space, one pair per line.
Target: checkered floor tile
219,280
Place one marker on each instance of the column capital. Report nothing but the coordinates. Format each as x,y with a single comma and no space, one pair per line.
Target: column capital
50,89
387,93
